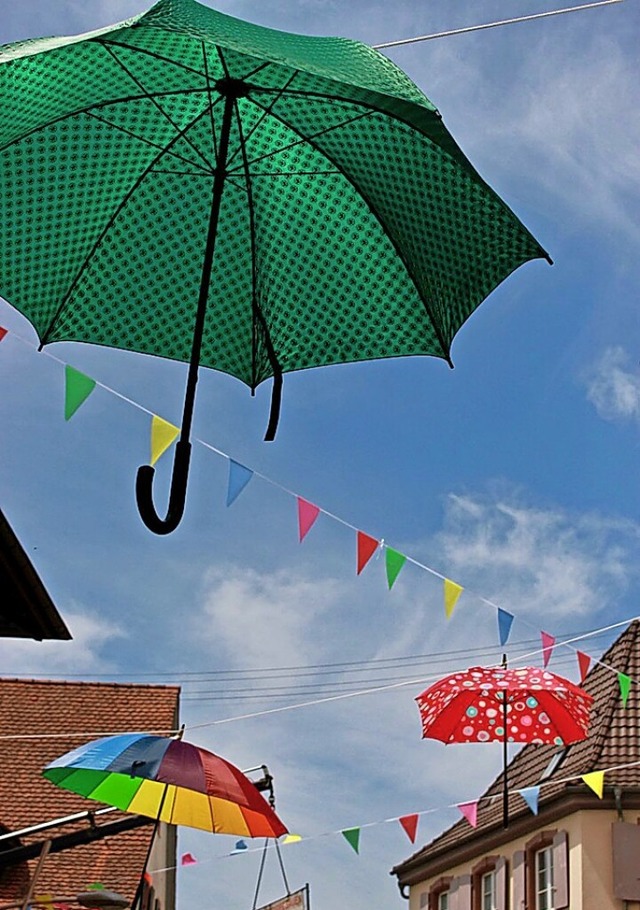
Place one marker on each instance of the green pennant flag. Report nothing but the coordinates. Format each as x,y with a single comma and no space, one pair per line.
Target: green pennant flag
352,836
624,682
394,562
78,387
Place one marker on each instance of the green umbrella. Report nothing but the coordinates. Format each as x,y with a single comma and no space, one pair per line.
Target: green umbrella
346,223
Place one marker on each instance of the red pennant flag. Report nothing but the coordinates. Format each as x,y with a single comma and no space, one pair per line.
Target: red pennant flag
188,859
410,825
3,332
307,514
548,641
367,546
584,662
470,812
147,878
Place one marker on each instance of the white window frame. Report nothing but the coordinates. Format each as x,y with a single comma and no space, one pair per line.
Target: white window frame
543,877
443,899
488,895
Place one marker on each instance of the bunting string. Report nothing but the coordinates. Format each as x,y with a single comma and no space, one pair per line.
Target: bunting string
79,387
409,822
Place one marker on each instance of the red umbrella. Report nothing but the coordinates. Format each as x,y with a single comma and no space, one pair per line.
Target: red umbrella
489,704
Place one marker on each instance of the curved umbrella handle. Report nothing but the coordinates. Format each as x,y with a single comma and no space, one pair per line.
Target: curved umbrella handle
177,496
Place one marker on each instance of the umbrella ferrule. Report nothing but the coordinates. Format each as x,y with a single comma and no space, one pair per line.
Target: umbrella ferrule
232,88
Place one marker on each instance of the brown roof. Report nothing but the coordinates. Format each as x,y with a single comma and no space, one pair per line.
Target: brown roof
26,610
613,740
34,708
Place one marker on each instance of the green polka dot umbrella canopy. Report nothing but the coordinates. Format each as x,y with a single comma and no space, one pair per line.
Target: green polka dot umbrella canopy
190,185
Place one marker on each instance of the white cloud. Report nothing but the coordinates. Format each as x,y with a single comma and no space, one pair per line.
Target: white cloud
613,388
83,654
537,562
264,619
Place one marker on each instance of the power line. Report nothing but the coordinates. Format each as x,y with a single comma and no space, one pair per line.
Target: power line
477,28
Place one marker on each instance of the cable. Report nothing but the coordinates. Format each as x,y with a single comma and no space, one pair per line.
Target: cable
484,25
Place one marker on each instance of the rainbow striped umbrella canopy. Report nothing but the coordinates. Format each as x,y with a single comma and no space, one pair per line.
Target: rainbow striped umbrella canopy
167,779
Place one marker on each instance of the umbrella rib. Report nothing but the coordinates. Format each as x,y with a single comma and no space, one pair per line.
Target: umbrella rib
257,311
145,141
398,249
105,230
155,103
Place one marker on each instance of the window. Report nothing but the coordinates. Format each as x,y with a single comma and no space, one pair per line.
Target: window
543,861
541,873
489,884
439,894
488,891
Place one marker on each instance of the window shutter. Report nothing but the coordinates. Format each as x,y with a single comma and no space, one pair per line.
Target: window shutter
560,870
501,884
424,900
462,899
519,880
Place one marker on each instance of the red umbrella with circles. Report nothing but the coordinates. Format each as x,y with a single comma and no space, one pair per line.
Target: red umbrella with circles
496,704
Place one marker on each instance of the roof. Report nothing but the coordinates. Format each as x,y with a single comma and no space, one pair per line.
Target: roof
50,715
613,741
27,611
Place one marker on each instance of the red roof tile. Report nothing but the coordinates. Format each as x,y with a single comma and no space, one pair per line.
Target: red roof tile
34,708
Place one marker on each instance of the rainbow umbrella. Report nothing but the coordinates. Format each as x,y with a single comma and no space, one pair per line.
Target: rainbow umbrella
169,780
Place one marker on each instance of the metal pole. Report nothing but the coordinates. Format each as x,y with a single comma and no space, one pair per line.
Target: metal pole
36,875
505,782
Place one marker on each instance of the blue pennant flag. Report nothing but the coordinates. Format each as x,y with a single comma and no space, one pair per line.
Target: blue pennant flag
239,477
504,625
530,796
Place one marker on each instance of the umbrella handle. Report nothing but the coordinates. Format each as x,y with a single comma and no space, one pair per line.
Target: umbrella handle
177,496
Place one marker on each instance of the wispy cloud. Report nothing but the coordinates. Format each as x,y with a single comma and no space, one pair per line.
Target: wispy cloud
537,562
613,386
87,652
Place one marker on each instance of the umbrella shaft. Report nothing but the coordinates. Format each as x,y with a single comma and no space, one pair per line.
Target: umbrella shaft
207,265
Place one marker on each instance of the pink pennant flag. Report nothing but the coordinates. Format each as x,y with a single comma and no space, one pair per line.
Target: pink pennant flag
367,546
188,859
307,514
3,332
548,641
470,812
584,662
410,825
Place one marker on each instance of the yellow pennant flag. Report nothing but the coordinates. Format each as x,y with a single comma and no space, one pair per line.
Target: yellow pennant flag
163,434
452,592
291,839
595,780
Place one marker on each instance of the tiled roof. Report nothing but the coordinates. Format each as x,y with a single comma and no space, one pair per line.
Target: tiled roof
613,740
34,708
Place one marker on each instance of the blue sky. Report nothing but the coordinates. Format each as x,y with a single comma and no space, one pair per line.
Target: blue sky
514,474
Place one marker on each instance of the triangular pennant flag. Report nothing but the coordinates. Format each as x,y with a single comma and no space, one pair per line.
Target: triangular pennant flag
239,477
452,592
470,812
548,641
3,332
307,514
43,900
147,878
394,562
352,836
292,839
584,662
77,388
625,686
595,780
240,845
530,796
96,886
163,434
188,859
410,825
505,621
366,546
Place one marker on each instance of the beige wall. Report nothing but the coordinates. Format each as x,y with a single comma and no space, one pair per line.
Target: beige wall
590,862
